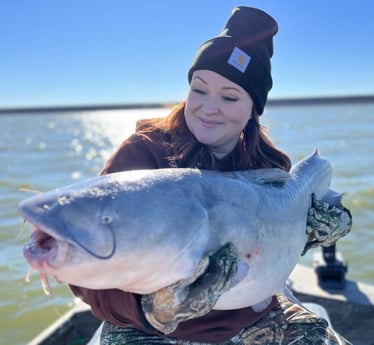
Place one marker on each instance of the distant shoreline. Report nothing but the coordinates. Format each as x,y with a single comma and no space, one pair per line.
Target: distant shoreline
304,101
321,100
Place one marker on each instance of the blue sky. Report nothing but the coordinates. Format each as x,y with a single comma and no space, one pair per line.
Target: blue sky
74,52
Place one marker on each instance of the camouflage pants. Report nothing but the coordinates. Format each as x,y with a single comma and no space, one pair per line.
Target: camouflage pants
284,325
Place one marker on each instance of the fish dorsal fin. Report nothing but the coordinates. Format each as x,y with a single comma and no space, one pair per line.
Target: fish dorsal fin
272,176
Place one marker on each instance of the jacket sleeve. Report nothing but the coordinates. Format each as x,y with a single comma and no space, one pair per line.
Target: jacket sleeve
135,153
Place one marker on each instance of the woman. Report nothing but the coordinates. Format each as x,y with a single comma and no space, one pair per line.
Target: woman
217,128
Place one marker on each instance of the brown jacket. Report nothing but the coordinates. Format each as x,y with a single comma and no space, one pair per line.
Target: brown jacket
124,309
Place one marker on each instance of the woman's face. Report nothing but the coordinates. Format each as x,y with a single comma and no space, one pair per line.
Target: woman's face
217,111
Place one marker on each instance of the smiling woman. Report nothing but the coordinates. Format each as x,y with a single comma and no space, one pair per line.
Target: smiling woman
216,111
216,128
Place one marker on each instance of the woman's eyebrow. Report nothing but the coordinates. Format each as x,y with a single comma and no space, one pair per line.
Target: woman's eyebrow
201,79
231,88
225,87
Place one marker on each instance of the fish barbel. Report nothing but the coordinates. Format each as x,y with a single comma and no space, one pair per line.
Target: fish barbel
143,230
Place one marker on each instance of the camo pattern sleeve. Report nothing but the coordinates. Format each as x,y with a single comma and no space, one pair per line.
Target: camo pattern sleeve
326,223
286,324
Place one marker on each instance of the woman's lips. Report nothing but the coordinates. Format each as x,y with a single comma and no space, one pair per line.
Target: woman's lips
208,122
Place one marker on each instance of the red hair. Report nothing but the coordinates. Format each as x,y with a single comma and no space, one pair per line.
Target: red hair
256,149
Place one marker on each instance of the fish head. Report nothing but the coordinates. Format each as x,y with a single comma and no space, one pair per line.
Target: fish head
72,226
111,231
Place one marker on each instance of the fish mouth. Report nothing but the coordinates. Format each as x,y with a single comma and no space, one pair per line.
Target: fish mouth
44,252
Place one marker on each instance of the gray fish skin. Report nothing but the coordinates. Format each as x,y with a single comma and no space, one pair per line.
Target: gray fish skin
140,231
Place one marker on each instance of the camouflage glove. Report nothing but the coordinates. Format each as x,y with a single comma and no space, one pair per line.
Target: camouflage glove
191,298
326,223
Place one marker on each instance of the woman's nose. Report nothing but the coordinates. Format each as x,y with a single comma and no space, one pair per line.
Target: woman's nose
210,105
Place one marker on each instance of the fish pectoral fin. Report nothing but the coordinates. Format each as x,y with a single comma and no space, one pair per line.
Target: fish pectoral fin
261,306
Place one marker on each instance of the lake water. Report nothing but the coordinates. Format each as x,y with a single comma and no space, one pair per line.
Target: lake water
43,151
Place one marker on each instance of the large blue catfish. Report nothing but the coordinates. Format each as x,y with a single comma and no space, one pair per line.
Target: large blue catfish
140,231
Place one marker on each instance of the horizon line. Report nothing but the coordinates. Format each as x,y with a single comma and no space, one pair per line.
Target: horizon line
144,105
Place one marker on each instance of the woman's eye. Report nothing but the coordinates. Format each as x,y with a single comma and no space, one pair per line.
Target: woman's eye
199,91
229,99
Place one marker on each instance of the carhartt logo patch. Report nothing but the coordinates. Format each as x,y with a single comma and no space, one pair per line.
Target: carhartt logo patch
239,59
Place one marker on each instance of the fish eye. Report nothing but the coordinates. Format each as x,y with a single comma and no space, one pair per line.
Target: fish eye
106,219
